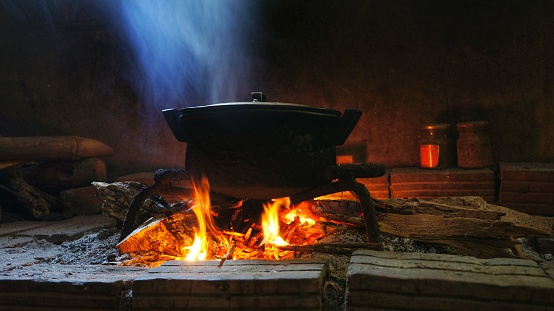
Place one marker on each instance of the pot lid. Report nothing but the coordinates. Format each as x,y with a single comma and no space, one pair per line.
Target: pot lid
258,108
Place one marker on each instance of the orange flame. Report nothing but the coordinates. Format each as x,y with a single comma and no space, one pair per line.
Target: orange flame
270,222
297,212
200,247
211,242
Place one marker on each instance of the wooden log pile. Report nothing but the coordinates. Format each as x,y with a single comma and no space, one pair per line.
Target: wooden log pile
160,236
35,171
469,225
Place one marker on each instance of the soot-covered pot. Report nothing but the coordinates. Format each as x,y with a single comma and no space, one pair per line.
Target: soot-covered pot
258,149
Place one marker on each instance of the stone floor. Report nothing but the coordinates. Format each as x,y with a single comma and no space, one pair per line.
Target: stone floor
33,277
415,281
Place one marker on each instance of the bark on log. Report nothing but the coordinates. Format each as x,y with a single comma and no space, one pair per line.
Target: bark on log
423,227
414,206
55,176
467,224
118,197
519,219
164,235
51,148
482,248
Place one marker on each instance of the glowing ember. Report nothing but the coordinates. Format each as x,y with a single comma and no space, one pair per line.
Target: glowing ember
302,217
271,238
254,231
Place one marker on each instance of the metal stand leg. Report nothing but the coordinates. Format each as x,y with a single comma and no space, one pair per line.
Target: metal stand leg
162,183
345,176
368,210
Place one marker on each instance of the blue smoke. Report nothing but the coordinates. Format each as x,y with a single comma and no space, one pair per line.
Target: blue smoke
188,49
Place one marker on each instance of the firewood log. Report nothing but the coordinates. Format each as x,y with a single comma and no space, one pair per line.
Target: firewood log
118,197
51,148
423,227
447,209
56,176
467,224
166,235
35,202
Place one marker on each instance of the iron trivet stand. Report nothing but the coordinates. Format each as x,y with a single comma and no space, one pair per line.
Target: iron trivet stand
341,177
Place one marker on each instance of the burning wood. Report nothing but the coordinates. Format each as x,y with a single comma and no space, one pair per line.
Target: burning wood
278,230
169,235
192,233
175,236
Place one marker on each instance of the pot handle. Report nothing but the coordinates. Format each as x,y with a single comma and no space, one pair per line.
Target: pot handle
347,123
172,119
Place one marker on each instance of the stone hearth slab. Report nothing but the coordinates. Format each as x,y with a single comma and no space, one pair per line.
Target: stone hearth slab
66,230
414,281
548,266
236,285
13,228
67,287
409,182
24,243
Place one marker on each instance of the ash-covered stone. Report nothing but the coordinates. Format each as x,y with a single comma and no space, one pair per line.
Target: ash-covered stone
96,248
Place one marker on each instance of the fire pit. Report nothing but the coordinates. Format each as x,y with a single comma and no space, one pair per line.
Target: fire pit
264,151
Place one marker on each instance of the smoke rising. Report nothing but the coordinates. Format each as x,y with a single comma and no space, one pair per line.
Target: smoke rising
179,52
188,49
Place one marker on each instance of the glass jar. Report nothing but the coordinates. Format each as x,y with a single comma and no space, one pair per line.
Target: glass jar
474,145
436,150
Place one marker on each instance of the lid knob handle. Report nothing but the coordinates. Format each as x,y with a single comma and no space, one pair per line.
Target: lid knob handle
258,97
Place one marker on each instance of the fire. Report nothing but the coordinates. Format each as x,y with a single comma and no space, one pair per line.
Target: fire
207,230
202,209
270,223
301,215
268,230
198,249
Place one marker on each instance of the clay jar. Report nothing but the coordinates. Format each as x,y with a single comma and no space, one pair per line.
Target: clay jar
474,148
436,149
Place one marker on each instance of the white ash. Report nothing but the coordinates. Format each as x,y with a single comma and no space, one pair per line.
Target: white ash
97,248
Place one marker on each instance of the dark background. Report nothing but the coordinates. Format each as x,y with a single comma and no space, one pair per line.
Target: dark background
64,71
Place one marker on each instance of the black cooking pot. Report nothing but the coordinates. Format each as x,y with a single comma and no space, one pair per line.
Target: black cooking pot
261,150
